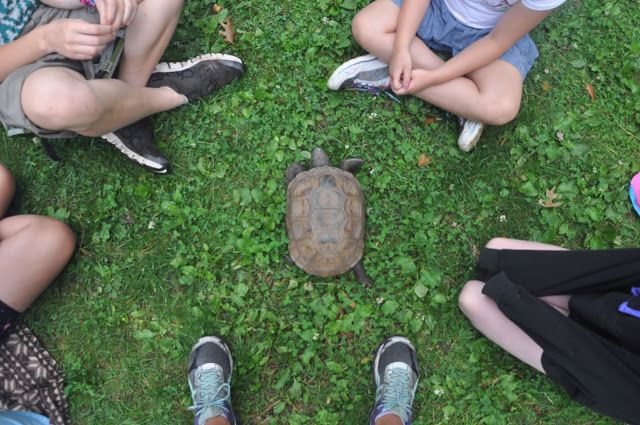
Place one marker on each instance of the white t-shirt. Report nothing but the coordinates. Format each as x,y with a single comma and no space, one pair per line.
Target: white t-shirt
487,13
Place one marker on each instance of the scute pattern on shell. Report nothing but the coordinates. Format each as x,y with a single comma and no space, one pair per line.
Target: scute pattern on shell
325,221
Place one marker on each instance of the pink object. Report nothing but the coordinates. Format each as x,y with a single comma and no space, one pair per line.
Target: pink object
634,192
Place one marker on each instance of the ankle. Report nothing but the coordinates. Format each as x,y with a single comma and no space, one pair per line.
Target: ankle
218,420
389,420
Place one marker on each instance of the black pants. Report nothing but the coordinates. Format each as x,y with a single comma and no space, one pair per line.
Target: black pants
595,352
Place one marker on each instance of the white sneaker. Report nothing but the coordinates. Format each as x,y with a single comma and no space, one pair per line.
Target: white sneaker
362,72
470,132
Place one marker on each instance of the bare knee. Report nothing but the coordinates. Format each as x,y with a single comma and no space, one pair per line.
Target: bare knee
362,28
67,105
471,299
501,111
57,237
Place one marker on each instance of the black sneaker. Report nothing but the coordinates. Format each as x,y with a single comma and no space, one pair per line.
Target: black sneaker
197,77
136,142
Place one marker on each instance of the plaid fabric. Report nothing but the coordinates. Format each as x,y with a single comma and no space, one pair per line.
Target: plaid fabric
14,15
29,377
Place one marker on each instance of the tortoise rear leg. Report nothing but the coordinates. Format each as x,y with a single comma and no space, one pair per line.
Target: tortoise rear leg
293,170
352,165
361,274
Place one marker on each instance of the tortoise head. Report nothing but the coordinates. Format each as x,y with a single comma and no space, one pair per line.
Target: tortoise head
319,158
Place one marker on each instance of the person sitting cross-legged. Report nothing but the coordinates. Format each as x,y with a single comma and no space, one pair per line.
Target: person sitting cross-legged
61,73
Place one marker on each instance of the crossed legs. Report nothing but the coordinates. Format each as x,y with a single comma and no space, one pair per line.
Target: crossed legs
490,95
33,250
486,317
61,99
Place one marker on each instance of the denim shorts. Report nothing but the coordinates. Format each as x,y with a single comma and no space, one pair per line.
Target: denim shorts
440,30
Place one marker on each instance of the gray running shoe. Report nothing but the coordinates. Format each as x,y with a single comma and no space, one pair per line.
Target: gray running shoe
364,73
197,77
395,370
210,368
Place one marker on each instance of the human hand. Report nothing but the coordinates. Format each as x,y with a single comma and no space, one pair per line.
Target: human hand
400,70
77,39
421,79
117,13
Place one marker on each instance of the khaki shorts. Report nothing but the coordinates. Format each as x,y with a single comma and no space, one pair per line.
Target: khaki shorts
11,114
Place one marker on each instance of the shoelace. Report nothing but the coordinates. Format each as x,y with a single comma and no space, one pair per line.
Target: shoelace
210,393
373,90
396,393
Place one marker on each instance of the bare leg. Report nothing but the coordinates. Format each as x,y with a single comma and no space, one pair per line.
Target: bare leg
147,38
7,189
33,250
491,94
485,315
61,99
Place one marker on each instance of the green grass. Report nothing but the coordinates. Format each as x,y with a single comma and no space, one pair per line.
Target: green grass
163,260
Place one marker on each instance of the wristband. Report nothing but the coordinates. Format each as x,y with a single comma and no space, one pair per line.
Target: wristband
88,3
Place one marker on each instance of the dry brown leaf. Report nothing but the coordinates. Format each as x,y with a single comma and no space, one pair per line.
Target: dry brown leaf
546,86
430,120
423,160
216,8
551,196
228,32
591,91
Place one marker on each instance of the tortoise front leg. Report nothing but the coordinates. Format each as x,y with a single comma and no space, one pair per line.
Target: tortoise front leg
293,170
361,274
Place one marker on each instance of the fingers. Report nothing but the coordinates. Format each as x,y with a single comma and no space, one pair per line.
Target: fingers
118,20
87,28
406,76
106,8
131,7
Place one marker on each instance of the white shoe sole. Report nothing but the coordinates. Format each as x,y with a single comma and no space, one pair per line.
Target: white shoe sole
163,67
387,342
353,67
115,141
219,342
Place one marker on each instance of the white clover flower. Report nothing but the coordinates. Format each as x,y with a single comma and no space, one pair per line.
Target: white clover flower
151,225
372,171
620,162
325,20
346,146
379,300
316,336
503,218
574,45
546,70
373,115
438,392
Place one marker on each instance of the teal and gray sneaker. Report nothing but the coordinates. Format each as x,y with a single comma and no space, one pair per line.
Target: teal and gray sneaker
210,368
395,372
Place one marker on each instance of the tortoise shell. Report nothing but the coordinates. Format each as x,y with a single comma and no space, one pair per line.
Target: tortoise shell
325,221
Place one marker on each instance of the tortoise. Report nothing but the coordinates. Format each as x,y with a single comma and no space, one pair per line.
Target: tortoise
326,217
